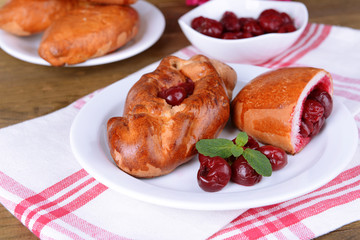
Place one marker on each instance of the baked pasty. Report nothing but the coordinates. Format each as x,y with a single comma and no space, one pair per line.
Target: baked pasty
153,137
280,107
88,31
26,17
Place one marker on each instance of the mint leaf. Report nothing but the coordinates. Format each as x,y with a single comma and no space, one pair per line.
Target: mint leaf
241,139
215,147
237,150
258,161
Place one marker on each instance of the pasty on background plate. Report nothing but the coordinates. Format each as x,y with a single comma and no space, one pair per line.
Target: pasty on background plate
26,17
88,31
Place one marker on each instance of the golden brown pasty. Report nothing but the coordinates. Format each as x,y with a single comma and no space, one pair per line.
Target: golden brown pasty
88,31
154,137
26,17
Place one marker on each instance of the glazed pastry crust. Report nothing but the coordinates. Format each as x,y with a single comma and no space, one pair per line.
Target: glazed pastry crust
88,31
153,138
266,107
27,17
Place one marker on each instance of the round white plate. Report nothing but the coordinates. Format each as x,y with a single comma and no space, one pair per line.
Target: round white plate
320,161
152,25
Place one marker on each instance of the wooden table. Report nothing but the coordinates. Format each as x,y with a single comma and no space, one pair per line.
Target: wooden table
28,91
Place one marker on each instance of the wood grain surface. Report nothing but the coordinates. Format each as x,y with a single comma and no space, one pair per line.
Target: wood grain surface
28,91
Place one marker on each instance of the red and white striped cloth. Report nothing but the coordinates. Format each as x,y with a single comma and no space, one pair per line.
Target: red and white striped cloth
42,184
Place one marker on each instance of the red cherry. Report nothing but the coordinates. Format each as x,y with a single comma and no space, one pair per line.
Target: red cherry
324,98
318,125
317,108
271,21
230,22
306,128
277,156
269,11
286,18
313,110
189,86
289,27
232,35
244,20
247,35
253,27
251,143
242,173
207,26
202,159
196,22
214,173
174,95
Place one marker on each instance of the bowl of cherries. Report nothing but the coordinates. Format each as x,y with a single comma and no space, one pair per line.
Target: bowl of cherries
241,160
247,31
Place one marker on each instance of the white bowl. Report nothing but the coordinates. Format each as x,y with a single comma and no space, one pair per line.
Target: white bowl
254,50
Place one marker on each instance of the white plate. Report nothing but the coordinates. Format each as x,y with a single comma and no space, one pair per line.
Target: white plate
321,161
152,25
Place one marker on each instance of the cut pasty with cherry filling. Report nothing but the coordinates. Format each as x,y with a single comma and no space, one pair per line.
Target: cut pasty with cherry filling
284,107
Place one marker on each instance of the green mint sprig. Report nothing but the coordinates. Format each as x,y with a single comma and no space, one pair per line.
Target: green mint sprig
225,148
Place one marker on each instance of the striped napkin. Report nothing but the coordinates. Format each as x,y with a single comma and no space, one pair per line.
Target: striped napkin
42,184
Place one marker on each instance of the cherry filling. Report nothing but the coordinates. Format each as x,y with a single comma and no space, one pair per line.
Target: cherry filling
175,95
317,107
